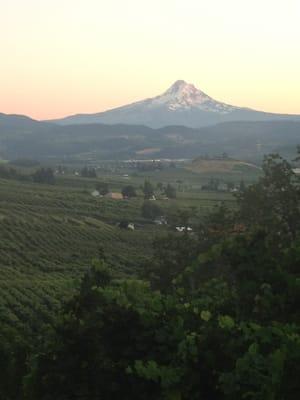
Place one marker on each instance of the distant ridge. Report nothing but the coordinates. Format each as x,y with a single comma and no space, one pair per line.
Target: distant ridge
181,104
19,124
22,137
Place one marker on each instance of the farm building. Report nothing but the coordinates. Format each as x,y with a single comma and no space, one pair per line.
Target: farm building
160,221
126,225
222,187
114,195
95,193
184,229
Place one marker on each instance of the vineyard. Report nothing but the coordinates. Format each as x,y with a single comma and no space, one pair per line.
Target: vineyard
48,238
49,235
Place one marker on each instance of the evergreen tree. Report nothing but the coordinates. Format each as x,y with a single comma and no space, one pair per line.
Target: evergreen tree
148,190
151,210
170,192
129,191
102,188
44,175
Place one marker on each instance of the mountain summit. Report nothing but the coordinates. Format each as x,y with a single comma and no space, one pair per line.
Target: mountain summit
181,104
183,95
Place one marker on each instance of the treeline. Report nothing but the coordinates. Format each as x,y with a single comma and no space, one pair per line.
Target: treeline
40,175
214,315
11,173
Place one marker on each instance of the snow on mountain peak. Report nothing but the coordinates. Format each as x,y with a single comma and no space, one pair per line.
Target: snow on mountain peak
181,88
183,95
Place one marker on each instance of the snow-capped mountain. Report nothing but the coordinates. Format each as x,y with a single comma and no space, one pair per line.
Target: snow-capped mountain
184,96
181,104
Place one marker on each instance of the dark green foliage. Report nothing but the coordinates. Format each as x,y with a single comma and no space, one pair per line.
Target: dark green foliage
242,186
88,172
44,175
151,210
129,191
7,173
148,190
179,217
160,186
13,362
170,191
199,340
273,202
11,173
123,224
212,184
172,254
103,188
61,169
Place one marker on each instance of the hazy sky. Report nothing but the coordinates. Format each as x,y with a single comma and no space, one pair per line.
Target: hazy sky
61,57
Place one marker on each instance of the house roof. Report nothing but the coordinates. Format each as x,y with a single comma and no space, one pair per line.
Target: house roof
114,195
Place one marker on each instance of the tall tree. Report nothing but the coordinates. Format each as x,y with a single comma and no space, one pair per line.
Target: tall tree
170,191
129,191
148,190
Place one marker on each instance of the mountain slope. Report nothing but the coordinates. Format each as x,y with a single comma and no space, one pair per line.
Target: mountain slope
181,104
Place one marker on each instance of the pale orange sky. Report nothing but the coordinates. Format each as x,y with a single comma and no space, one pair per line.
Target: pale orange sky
61,57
